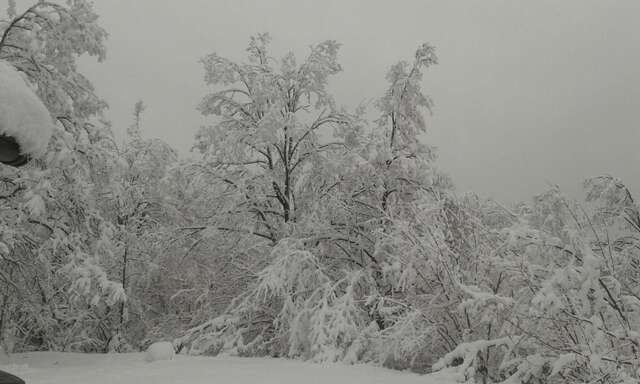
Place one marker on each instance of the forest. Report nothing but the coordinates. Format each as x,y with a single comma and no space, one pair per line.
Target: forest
302,229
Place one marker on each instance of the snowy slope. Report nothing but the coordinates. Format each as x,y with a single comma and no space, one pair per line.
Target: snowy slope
71,368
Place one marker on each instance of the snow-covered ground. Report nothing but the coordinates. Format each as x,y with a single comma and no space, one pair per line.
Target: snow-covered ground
72,368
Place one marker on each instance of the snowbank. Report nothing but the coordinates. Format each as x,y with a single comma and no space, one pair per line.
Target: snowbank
23,116
131,368
162,350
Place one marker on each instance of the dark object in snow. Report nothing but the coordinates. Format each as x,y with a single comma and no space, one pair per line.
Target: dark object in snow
7,378
10,154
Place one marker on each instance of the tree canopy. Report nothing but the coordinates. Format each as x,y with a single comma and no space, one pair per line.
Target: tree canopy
299,229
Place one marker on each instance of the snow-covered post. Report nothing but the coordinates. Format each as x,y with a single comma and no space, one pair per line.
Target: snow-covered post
25,123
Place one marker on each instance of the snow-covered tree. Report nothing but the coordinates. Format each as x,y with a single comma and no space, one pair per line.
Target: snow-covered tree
134,199
54,237
315,187
268,131
569,296
44,41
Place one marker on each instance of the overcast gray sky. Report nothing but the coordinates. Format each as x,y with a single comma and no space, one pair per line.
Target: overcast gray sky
527,94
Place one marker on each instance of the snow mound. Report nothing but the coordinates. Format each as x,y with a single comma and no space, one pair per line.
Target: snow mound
23,116
162,350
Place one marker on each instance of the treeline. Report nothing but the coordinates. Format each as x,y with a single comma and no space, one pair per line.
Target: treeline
302,230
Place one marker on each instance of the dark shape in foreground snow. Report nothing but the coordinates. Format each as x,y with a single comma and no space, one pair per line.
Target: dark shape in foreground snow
10,152
7,378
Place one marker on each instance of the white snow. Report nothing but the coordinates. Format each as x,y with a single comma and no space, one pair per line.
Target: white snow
23,116
74,368
162,350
